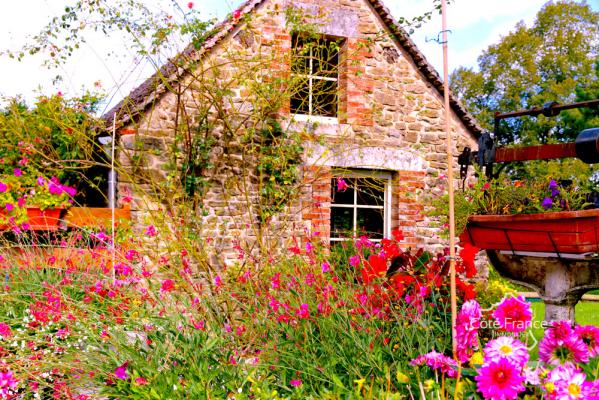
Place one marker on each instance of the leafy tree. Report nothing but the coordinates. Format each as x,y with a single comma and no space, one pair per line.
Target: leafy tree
553,60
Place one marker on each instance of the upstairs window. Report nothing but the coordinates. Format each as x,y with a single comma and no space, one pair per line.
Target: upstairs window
315,67
359,206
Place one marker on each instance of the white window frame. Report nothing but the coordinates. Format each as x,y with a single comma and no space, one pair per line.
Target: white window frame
311,77
386,207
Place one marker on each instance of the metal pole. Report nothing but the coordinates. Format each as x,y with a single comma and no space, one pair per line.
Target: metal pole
112,194
452,258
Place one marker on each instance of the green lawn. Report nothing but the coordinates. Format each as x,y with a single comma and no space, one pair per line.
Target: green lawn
587,313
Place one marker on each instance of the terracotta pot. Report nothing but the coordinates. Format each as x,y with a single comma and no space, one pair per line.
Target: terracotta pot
567,232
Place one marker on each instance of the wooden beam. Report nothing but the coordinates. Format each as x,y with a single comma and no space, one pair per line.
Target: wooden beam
542,152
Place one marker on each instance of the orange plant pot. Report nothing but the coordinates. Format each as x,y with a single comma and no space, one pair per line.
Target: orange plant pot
566,232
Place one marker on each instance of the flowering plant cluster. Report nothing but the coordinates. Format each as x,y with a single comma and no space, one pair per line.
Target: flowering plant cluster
23,188
501,369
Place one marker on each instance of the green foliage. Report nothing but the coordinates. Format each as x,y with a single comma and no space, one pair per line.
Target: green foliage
278,154
54,138
552,60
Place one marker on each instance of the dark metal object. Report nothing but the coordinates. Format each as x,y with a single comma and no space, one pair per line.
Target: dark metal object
586,146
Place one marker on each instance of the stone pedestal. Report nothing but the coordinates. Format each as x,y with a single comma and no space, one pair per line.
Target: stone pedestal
560,282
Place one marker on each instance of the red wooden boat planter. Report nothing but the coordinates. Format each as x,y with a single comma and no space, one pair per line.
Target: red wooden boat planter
554,234
75,217
41,220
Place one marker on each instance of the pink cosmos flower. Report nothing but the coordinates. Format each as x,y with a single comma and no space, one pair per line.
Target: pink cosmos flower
295,382
437,361
513,314
590,336
569,382
467,324
509,348
121,372
500,379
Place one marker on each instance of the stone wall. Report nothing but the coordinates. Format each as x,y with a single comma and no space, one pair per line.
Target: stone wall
390,119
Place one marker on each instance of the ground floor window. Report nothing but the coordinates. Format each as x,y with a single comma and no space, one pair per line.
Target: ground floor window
360,204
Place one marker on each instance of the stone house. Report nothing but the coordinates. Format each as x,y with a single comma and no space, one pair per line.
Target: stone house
373,143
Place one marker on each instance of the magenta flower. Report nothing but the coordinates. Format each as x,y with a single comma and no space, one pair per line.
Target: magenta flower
5,330
558,351
341,185
467,324
303,311
121,372
9,207
140,381
3,187
326,267
21,202
509,348
590,336
295,382
354,261
500,380
513,314
437,361
151,231
7,384
41,181
17,172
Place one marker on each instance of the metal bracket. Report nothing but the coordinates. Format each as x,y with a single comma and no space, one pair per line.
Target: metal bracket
438,38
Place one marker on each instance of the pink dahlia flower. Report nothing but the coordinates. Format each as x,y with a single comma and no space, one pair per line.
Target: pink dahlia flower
568,382
557,351
509,348
500,380
513,314
590,336
467,324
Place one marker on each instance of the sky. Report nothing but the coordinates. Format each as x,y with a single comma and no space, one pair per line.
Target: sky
474,25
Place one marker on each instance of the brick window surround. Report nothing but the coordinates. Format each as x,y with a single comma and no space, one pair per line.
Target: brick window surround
360,205
316,65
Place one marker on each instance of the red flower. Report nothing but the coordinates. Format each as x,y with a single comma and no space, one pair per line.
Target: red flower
467,254
236,14
167,285
190,5
374,267
397,235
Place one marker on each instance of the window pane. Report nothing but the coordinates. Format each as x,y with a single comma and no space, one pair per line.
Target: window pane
300,60
324,98
326,59
370,222
371,192
342,220
300,98
341,195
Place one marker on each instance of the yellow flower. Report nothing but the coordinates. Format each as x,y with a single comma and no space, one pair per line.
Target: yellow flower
476,359
360,383
402,378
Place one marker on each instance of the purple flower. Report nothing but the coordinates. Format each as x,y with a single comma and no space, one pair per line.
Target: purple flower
553,184
41,181
547,203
